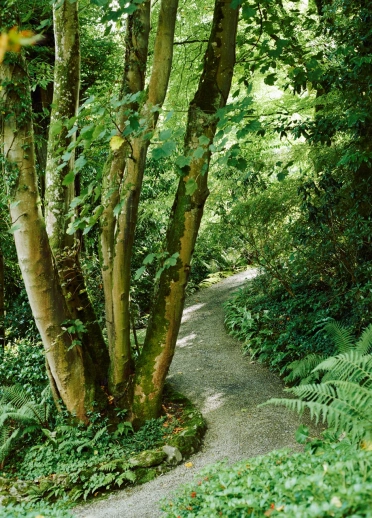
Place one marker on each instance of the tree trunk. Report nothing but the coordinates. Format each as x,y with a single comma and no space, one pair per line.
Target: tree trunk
121,367
70,370
137,39
59,196
165,319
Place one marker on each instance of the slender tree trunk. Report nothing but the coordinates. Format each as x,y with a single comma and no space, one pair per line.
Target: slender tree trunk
137,39
59,196
121,366
71,373
165,319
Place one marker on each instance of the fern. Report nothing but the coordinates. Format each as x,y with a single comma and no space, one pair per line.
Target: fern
307,369
19,416
344,397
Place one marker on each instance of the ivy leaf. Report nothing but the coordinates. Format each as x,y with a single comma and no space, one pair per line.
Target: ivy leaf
116,142
191,186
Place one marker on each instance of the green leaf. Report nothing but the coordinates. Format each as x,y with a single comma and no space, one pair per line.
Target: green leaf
165,135
282,175
199,152
118,208
164,151
14,228
66,156
149,259
203,140
248,12
270,79
302,434
69,178
139,272
56,128
183,161
80,163
191,186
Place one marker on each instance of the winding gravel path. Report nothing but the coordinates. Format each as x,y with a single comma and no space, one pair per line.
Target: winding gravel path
209,369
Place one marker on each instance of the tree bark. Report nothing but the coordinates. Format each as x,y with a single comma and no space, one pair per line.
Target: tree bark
70,370
137,39
59,196
121,366
165,319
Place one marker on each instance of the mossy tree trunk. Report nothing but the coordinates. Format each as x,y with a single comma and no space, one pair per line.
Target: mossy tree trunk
59,182
126,173
71,371
187,211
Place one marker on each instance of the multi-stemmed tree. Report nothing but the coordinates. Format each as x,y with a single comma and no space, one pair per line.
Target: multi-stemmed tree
82,368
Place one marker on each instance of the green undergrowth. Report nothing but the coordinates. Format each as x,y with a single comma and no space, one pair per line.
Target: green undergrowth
278,328
60,462
334,481
31,510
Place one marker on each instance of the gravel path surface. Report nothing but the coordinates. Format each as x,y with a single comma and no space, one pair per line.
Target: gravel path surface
209,368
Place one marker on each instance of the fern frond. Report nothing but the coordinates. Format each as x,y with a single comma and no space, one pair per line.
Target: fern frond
16,396
364,344
341,336
349,366
99,434
302,368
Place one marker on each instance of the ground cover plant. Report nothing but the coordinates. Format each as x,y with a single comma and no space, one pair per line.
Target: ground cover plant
334,481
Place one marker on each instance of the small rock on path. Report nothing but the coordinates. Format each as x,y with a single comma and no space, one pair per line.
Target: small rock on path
209,369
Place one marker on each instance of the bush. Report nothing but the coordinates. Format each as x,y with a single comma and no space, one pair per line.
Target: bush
278,329
337,481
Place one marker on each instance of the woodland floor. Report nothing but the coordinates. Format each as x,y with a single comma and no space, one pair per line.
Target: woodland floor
209,368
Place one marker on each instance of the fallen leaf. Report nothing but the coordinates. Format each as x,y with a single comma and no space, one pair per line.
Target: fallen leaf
189,465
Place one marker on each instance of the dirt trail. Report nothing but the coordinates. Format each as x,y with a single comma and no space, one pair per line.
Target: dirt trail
209,369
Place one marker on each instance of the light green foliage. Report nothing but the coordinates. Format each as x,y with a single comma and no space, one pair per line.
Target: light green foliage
33,510
336,481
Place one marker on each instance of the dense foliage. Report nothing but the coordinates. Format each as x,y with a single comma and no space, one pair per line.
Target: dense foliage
335,481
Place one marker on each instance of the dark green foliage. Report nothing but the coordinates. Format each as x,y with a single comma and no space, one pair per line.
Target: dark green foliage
23,363
277,328
336,481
